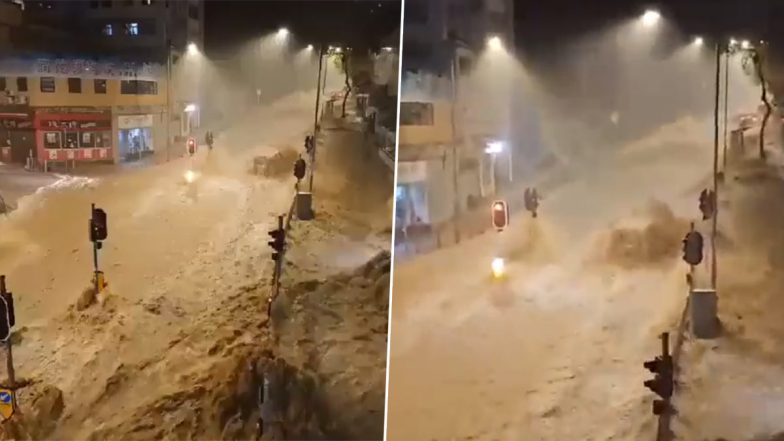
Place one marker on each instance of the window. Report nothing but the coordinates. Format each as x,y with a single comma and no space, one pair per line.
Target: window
132,28
416,114
193,12
107,30
2,83
106,3
147,88
74,85
21,84
87,139
71,140
52,140
47,84
128,87
99,86
138,87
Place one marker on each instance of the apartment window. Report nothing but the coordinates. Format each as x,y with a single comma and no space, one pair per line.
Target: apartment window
21,84
128,87
132,28
106,3
107,30
47,84
2,83
74,85
99,86
416,114
147,88
52,140
193,12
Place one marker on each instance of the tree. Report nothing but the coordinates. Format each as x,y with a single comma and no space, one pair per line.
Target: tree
344,58
752,62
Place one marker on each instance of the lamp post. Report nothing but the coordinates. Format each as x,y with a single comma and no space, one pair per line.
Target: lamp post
715,165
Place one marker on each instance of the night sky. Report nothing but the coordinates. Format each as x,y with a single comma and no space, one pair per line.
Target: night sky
356,23
542,25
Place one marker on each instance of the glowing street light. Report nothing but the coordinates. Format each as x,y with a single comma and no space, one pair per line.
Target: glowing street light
386,49
494,147
495,43
283,33
309,47
192,48
650,18
745,44
190,108
698,41
338,50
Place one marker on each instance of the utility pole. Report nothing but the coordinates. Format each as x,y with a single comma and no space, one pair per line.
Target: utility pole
455,161
726,102
715,165
454,73
169,48
316,117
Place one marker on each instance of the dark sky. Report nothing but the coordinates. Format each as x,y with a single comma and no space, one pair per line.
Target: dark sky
542,24
229,23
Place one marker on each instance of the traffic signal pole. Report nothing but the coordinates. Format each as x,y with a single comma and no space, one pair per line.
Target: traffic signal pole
663,430
8,347
715,165
316,116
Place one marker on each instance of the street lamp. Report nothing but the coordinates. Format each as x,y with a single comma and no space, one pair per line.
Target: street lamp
283,33
192,48
698,41
495,43
650,18
745,44
494,147
309,47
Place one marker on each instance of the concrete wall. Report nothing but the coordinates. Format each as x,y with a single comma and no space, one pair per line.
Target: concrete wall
439,133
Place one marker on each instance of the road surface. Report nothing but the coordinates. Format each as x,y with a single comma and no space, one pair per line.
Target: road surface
556,351
188,269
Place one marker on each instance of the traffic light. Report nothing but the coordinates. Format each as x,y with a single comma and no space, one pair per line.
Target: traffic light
299,168
499,215
9,300
692,248
5,321
278,242
707,204
662,383
98,225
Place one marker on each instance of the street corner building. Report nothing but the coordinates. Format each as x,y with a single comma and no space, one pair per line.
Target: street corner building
56,110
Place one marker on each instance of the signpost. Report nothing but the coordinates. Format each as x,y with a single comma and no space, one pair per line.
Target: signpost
7,406
7,322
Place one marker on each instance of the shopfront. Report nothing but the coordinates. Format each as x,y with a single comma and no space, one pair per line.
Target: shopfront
73,134
17,137
135,134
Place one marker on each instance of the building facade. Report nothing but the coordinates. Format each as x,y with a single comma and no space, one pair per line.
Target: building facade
76,110
443,167
166,33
